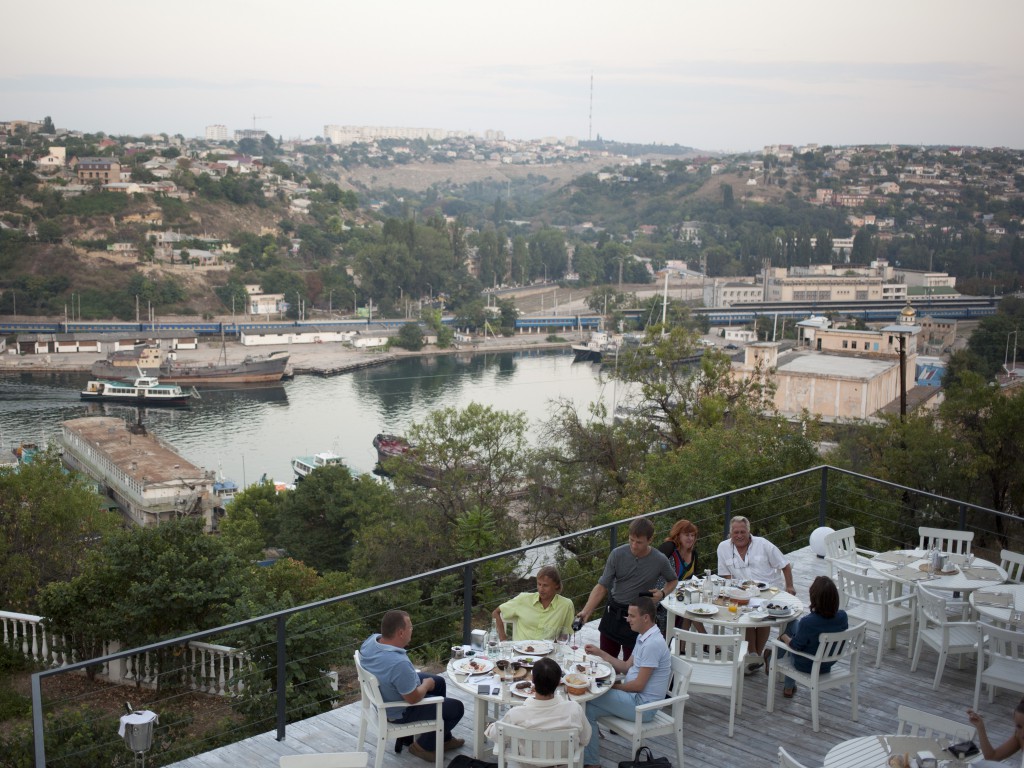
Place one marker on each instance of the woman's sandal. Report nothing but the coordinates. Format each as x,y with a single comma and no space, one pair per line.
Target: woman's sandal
789,692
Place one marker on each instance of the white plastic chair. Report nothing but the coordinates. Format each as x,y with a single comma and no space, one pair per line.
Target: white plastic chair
839,648
947,540
527,746
375,708
867,598
937,631
717,665
668,718
1013,564
786,760
914,722
1000,660
841,550
326,760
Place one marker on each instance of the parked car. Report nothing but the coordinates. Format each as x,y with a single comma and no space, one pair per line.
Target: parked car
731,346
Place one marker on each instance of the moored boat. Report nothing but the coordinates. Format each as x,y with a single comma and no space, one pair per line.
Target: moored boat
303,465
389,446
254,369
143,390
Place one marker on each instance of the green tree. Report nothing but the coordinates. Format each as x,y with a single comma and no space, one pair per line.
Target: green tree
409,336
475,456
142,585
318,520
49,521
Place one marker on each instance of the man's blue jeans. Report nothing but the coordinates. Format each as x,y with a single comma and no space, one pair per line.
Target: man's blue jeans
451,713
617,704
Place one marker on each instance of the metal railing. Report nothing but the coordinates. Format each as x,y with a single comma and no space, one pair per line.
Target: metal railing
784,510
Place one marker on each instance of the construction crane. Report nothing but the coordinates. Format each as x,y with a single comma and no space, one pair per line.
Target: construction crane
258,117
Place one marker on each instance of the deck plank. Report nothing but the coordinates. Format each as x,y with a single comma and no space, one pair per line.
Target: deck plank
758,734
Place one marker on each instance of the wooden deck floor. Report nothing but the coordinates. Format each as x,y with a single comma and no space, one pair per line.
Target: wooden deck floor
707,743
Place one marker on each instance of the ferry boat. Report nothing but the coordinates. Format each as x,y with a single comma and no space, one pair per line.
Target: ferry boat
303,465
144,390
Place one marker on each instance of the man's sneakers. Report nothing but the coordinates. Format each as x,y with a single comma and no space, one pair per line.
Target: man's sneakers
423,754
753,663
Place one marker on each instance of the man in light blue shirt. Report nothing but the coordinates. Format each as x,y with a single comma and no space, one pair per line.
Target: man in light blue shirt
648,673
383,656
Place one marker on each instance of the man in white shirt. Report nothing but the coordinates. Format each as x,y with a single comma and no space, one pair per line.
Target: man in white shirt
753,558
546,711
648,673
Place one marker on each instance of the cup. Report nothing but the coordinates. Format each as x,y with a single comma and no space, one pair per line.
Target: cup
457,652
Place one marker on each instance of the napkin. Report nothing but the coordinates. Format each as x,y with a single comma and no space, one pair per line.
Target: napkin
997,599
909,574
981,574
896,558
138,717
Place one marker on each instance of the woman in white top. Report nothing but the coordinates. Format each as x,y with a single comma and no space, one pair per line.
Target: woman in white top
1008,748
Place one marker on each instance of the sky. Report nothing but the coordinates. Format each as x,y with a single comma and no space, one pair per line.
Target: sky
718,75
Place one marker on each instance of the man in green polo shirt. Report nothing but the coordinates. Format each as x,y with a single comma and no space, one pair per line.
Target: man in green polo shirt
539,615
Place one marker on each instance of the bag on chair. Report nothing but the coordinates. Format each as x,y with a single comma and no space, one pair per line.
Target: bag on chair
465,761
648,760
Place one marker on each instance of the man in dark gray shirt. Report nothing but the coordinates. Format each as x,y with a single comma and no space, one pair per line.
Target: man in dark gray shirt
631,570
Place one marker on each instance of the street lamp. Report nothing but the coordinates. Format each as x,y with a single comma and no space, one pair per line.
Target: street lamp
906,326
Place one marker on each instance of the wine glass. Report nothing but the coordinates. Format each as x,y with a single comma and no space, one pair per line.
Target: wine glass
493,644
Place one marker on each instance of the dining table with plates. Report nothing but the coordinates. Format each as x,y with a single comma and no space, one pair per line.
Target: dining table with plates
1001,604
505,681
962,573
740,605
892,752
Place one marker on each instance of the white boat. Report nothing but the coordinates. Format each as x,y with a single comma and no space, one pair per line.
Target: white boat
144,390
303,465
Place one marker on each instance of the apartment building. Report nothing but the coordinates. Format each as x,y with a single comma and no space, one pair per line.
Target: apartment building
96,170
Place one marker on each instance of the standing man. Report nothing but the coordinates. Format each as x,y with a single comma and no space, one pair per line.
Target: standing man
538,615
647,675
383,655
753,558
631,570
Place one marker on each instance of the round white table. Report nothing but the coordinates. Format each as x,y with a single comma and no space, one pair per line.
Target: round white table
875,751
904,567
504,696
998,603
744,618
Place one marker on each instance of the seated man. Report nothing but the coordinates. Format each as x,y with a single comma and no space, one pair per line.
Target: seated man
648,672
540,615
546,712
383,655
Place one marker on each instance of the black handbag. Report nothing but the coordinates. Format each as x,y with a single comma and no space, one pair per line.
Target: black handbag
644,758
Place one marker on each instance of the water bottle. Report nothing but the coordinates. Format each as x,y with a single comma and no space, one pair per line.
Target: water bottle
493,642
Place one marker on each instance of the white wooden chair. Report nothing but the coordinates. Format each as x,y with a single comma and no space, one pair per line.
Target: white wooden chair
841,550
717,665
528,746
786,760
936,630
867,598
375,708
842,649
1013,564
326,760
947,540
914,722
1000,660
668,718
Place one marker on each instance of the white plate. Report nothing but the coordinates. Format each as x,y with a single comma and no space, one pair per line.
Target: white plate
789,612
516,691
601,670
527,661
483,666
702,609
533,647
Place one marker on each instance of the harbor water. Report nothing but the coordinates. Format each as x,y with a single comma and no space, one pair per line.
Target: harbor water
246,432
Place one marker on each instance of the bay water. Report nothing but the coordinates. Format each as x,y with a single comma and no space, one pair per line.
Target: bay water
244,433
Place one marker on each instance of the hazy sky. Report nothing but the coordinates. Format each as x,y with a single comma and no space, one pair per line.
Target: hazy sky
713,74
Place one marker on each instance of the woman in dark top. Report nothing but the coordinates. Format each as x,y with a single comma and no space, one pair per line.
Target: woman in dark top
825,616
679,548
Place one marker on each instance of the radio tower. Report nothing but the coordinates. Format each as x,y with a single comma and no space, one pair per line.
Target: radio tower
590,120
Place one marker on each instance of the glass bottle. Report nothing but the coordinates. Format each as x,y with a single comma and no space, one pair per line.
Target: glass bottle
493,642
